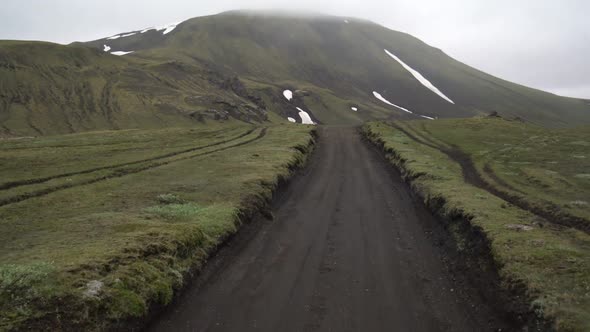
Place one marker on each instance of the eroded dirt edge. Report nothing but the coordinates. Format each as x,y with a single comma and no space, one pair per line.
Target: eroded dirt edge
473,260
251,209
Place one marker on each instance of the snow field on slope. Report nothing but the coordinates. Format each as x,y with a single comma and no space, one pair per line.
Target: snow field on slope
420,78
380,97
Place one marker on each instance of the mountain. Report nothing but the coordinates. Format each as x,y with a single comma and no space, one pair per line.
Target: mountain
236,65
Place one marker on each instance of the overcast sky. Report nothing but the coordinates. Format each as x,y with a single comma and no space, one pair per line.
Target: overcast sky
539,43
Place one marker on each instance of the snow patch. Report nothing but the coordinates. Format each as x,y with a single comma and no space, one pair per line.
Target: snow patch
167,28
346,21
120,53
288,94
129,34
106,48
305,118
354,109
114,37
420,78
380,97
291,119
426,117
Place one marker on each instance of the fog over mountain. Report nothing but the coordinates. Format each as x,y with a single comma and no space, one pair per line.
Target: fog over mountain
542,44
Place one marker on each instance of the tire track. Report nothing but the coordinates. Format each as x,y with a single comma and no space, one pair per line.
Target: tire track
553,213
490,172
81,145
20,183
415,137
121,173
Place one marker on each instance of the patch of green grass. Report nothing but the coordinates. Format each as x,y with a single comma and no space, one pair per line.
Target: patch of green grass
21,285
552,263
19,282
141,233
174,211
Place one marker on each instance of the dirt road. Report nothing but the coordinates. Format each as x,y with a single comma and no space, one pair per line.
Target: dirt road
348,250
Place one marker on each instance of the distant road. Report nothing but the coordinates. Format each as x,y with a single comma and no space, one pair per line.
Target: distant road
348,250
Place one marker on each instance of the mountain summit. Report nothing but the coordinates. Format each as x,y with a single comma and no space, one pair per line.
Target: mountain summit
239,65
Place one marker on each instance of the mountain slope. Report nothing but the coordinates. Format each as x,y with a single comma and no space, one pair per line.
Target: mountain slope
349,58
53,89
237,65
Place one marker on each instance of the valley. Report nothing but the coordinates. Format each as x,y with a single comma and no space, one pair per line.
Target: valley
250,171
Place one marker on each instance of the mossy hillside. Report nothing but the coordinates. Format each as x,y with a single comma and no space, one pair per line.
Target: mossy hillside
349,60
54,89
552,263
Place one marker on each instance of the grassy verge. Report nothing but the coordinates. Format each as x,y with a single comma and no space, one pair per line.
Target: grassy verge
98,254
547,169
538,271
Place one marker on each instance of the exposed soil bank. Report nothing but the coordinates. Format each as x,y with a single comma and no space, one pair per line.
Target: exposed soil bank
474,261
348,249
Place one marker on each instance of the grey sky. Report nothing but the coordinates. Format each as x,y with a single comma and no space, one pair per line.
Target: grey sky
543,44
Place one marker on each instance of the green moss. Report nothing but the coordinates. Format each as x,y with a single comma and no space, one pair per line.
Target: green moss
124,303
175,211
21,286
